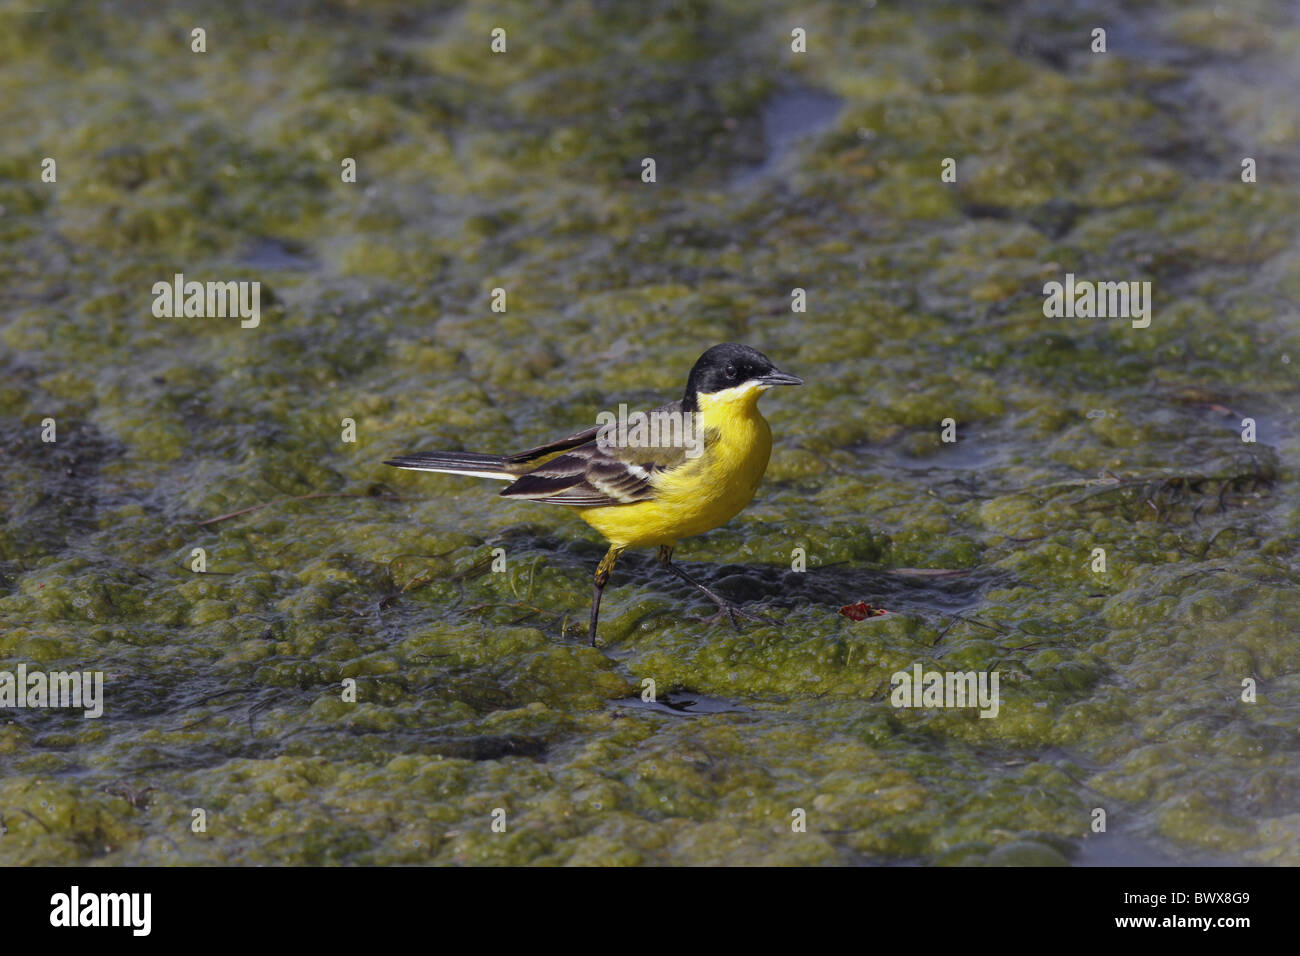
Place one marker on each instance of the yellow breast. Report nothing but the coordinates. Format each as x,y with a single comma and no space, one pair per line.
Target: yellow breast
706,491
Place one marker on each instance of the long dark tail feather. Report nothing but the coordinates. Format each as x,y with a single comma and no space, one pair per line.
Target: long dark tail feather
455,463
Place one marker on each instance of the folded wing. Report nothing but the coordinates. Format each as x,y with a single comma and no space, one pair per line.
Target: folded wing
589,475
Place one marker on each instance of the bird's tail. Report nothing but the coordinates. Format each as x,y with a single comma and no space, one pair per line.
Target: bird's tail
456,463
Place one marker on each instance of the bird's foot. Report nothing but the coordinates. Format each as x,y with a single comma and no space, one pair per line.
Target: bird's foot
727,610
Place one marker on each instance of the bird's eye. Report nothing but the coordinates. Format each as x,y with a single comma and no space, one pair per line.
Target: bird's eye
731,372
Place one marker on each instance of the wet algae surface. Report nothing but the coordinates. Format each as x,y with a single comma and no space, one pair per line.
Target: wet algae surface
224,691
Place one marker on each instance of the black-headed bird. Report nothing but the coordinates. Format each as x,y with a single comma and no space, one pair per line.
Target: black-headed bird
680,470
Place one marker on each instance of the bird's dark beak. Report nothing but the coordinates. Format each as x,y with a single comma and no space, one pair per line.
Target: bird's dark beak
780,378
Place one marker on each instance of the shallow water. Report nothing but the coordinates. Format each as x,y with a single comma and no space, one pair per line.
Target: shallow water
1120,690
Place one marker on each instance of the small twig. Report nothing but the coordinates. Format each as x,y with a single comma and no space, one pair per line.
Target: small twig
474,570
533,611
314,494
189,705
37,819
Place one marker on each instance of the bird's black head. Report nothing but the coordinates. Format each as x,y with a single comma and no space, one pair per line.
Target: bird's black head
730,365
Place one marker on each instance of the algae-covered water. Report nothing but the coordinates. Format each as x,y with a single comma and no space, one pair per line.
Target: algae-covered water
1148,712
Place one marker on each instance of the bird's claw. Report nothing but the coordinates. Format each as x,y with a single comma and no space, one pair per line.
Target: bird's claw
732,611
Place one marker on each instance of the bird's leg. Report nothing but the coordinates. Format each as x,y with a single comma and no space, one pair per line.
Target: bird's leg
603,571
728,608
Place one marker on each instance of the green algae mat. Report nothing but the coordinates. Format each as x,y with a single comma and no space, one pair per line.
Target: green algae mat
300,656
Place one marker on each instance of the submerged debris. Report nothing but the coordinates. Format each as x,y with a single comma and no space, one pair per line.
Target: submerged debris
1161,497
861,610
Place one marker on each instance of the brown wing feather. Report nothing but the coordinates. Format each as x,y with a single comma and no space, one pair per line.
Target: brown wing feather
587,475
516,461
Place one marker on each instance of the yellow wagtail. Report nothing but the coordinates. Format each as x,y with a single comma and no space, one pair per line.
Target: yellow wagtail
680,470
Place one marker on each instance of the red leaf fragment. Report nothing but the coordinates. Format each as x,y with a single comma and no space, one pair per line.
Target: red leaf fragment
861,611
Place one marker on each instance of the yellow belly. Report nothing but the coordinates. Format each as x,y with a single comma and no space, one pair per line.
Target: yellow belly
703,493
